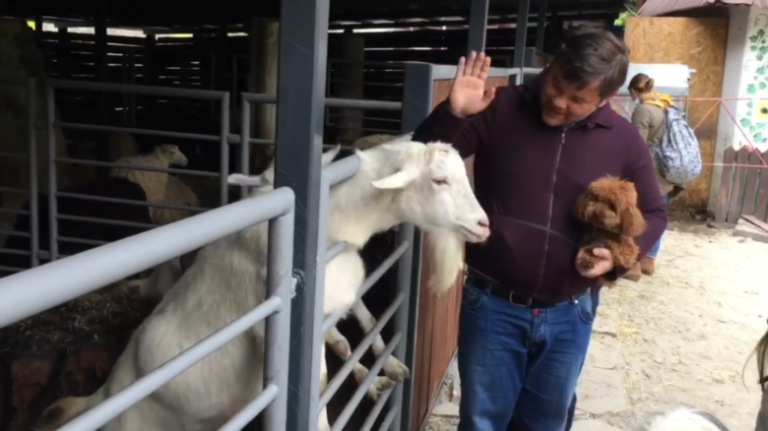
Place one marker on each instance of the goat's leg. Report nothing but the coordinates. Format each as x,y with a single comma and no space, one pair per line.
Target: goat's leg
322,420
340,347
394,369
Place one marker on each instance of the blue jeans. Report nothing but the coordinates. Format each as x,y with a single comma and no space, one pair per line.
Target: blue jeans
595,297
654,251
519,361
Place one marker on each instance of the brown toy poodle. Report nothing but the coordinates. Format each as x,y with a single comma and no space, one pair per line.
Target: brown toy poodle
609,207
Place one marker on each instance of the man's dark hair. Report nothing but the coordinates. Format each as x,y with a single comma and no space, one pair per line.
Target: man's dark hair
589,55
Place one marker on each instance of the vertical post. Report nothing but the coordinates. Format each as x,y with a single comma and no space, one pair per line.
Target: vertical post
521,31
53,234
245,145
148,74
541,25
478,25
417,104
224,149
280,283
300,114
34,232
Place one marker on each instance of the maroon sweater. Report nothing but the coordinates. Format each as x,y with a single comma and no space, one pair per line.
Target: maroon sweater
529,173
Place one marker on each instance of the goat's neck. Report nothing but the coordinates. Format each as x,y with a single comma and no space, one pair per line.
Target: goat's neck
358,210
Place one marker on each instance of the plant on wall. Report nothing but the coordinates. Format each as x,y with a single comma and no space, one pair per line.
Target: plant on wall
757,86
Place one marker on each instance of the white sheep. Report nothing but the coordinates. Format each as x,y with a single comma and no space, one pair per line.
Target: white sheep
154,183
177,192
407,182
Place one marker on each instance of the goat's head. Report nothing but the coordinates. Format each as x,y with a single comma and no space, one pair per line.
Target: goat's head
173,154
436,194
268,176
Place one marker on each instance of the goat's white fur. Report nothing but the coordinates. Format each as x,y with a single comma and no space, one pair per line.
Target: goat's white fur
684,419
228,280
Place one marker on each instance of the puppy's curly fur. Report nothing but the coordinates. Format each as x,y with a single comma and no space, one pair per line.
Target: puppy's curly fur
609,207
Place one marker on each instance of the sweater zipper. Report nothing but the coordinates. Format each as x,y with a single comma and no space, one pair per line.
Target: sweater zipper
549,215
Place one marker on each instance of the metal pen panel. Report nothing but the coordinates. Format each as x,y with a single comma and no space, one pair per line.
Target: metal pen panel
224,149
53,224
34,212
245,138
44,287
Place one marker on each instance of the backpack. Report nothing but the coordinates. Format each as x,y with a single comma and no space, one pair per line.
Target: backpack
678,155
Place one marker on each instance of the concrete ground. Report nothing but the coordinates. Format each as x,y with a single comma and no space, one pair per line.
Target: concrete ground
679,338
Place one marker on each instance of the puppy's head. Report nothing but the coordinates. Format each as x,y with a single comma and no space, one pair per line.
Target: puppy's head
610,203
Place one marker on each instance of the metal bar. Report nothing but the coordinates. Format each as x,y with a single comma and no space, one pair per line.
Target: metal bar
14,233
300,116
478,25
131,202
82,241
224,150
13,190
245,150
93,419
354,401
332,102
359,351
404,287
13,211
541,24
11,269
387,422
47,286
106,221
334,318
342,170
252,409
334,251
34,213
236,140
139,167
133,130
280,284
521,32
14,252
137,89
53,208
376,410
13,155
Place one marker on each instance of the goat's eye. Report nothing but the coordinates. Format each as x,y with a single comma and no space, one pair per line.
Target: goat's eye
440,181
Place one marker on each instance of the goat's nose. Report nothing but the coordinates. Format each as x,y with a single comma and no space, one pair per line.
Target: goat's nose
483,222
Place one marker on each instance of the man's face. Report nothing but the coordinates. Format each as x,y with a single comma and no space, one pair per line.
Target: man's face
564,103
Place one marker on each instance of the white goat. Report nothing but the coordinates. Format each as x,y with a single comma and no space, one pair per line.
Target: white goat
410,182
685,419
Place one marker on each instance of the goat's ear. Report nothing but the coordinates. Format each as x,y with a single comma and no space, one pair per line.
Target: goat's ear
398,180
328,156
244,180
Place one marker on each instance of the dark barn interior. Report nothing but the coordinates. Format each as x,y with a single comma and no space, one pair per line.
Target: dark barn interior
215,52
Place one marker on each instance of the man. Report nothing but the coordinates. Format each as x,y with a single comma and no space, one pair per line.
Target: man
526,310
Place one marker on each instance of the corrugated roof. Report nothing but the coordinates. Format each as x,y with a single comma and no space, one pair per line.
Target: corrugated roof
662,7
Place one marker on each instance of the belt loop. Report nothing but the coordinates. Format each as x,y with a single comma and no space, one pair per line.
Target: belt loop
574,300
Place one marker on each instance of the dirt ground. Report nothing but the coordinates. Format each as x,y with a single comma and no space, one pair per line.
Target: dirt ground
679,338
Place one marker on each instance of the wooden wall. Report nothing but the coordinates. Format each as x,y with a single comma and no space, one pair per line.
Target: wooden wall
700,44
438,325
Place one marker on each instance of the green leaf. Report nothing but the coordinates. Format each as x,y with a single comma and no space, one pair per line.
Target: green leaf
745,122
758,138
750,104
760,33
762,85
753,39
753,47
752,129
761,70
751,89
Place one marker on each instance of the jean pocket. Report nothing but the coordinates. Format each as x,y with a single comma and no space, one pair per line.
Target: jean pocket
584,309
471,297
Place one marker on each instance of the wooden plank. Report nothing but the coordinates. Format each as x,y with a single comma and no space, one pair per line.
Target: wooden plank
729,158
756,222
753,178
737,190
761,212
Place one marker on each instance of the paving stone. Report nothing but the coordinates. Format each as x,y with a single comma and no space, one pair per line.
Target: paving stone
446,409
593,425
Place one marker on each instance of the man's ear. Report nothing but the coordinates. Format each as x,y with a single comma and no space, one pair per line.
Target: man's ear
607,99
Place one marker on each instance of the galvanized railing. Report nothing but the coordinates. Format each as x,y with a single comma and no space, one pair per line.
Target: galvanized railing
33,291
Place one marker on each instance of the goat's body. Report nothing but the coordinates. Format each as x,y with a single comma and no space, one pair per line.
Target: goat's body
226,281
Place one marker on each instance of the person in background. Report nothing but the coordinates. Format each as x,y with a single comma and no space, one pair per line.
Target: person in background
526,314
648,118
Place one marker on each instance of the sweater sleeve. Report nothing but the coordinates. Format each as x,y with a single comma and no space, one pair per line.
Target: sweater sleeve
641,119
639,170
465,134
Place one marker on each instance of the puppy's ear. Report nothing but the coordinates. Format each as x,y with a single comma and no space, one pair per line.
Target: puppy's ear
582,209
632,222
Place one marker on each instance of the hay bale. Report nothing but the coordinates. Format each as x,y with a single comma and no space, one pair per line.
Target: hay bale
66,351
